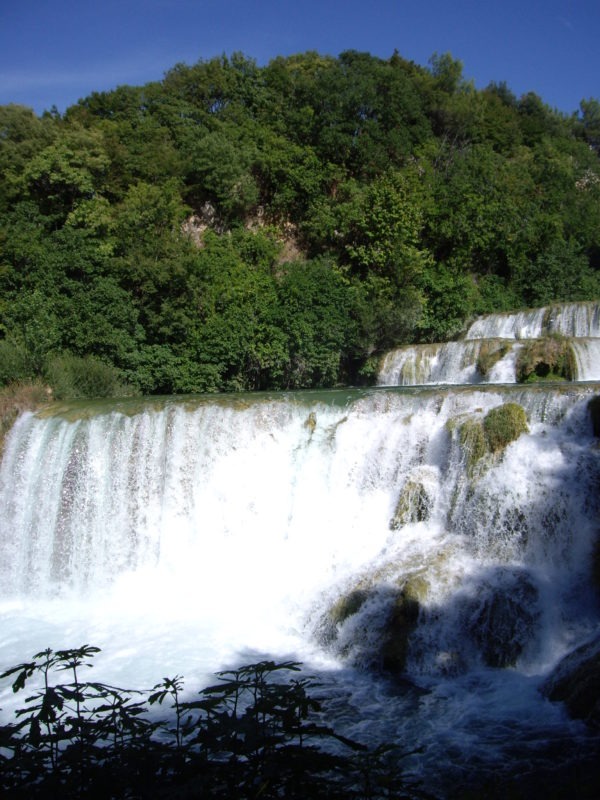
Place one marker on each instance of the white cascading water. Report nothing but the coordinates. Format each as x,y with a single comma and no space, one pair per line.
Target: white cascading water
429,364
569,319
521,325
186,537
587,358
456,362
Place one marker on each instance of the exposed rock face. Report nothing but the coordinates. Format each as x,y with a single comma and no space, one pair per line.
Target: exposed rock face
576,683
484,439
196,225
490,352
474,445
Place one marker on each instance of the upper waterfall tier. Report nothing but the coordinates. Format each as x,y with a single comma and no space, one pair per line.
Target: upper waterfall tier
575,320
490,350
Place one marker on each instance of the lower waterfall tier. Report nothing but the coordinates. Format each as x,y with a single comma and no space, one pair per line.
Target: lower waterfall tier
446,537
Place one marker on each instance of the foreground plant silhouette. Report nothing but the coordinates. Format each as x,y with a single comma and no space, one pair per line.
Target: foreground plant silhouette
257,733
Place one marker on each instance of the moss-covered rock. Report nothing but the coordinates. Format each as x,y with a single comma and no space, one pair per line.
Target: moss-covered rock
503,425
311,422
481,437
332,622
550,358
372,625
348,605
490,352
473,442
414,505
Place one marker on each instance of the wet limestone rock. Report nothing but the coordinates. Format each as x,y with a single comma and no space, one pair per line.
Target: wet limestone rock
348,605
594,409
549,358
481,438
576,683
371,625
311,422
473,443
490,352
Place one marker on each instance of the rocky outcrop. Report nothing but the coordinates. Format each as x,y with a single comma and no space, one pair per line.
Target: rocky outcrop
503,425
414,503
549,358
490,352
480,438
576,683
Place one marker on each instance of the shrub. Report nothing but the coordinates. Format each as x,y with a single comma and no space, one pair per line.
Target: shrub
73,377
257,732
15,363
16,398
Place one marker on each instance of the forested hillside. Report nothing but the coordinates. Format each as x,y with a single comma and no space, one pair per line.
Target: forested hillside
240,227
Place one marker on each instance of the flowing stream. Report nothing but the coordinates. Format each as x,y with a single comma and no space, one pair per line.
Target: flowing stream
183,536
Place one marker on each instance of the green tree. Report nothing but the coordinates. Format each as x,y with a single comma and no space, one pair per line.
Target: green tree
589,116
22,137
316,310
69,170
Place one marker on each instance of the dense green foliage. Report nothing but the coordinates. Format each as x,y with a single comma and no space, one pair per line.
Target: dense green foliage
257,733
241,227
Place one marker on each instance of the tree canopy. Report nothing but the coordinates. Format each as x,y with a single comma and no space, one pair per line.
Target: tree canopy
238,227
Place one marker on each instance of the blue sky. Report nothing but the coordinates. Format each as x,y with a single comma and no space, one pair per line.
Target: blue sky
57,51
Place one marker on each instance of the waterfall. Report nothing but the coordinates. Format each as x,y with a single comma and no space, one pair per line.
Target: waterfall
500,336
522,325
187,536
422,365
569,319
577,320
587,358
